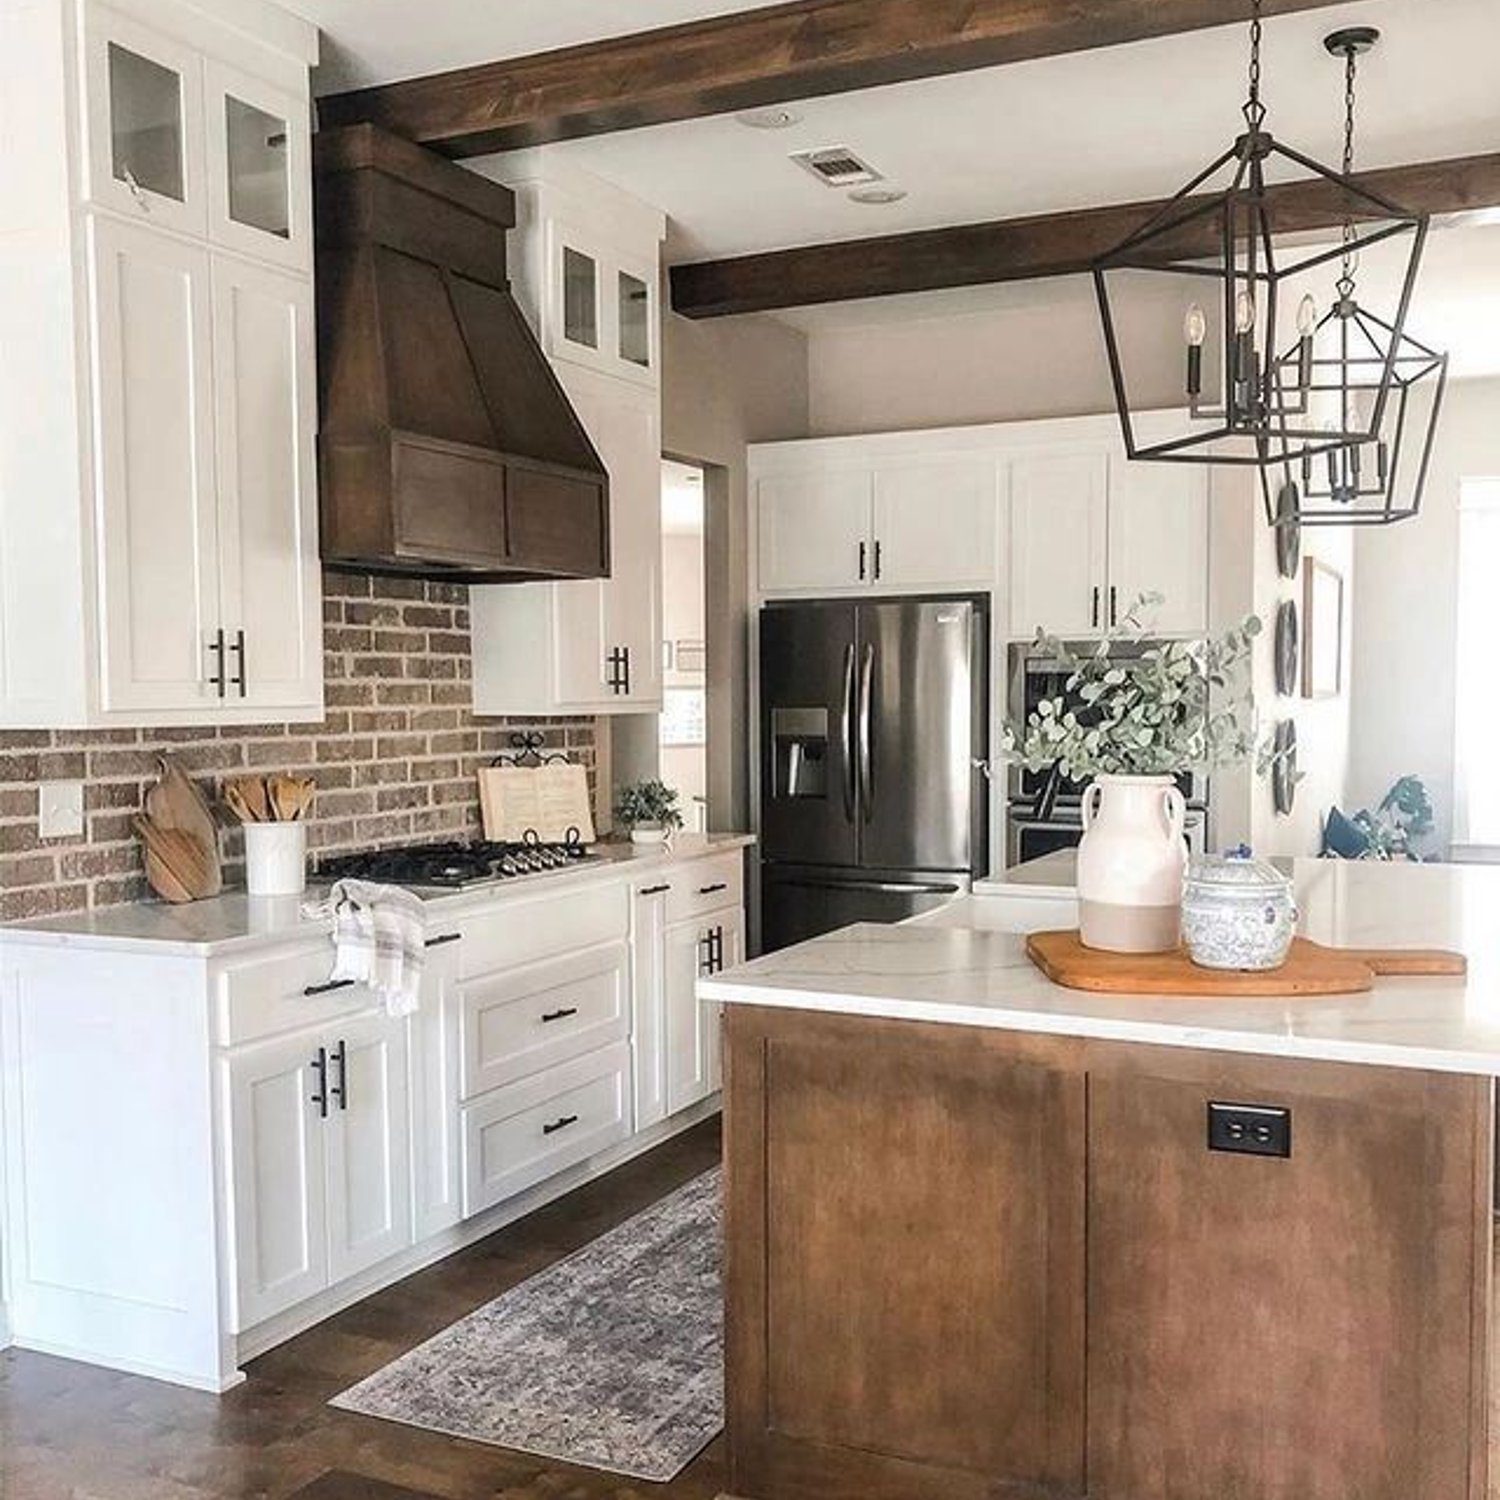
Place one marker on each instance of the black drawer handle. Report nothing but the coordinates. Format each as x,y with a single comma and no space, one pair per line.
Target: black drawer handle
320,1071
324,989
443,939
708,890
560,1015
653,890
561,1124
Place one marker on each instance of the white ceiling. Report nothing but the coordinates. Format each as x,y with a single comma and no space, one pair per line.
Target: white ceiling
1107,126
377,41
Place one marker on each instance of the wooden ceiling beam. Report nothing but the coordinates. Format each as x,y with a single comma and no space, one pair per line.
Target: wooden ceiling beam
1045,245
750,59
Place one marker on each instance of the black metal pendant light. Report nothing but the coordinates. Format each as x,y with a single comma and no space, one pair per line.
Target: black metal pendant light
1229,256
1379,482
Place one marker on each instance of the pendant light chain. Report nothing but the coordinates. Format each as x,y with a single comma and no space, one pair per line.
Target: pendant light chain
1255,111
1351,69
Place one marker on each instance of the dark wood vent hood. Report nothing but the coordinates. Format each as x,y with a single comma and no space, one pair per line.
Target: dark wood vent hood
448,448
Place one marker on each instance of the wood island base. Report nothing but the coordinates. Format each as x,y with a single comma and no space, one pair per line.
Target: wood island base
969,1263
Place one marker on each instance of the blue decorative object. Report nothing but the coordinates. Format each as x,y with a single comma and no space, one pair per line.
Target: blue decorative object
1237,914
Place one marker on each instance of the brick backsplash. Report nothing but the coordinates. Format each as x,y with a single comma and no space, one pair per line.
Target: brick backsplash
394,757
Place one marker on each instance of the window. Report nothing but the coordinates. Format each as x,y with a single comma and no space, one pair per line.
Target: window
1477,726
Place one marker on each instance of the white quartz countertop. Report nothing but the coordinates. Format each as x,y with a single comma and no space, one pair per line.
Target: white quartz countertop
235,921
966,965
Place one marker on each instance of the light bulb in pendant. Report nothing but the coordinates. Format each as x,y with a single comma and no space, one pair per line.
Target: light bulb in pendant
1195,326
1307,317
1244,312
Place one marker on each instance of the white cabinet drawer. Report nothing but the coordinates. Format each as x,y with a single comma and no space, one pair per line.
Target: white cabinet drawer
521,931
525,1020
520,1135
269,996
704,885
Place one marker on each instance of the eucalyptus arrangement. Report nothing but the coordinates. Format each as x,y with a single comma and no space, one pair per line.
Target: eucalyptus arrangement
1151,713
649,810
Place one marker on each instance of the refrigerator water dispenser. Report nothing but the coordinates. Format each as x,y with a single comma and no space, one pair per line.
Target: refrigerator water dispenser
800,740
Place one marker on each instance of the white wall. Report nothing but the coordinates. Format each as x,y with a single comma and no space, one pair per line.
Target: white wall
1405,641
726,383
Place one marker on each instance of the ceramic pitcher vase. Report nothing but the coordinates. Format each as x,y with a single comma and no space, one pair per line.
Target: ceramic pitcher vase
1131,864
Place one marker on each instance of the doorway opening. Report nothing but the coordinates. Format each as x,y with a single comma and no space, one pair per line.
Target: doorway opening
683,724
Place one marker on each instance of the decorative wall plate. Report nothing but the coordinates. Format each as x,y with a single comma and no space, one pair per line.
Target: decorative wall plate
1288,530
1288,655
1284,773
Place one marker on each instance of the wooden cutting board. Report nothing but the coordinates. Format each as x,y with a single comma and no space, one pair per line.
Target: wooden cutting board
1310,969
175,805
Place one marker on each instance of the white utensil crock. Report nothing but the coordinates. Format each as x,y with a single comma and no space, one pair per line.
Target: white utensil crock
1131,864
276,858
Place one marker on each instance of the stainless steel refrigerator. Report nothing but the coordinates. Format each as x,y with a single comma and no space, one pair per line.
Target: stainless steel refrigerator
874,731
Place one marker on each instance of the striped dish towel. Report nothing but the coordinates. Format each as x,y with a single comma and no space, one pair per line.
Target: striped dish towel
379,933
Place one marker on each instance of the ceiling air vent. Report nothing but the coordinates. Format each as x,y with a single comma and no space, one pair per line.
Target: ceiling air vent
836,166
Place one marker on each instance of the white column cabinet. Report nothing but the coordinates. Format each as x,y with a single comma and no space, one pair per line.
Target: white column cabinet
1059,516
585,268
158,295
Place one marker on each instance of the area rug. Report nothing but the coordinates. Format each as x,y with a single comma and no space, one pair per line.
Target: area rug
612,1358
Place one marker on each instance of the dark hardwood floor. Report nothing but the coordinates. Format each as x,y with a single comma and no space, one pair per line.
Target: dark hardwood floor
71,1432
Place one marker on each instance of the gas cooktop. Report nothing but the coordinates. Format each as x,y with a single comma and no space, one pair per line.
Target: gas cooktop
456,866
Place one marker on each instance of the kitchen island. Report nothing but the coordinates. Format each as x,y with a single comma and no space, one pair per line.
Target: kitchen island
979,1242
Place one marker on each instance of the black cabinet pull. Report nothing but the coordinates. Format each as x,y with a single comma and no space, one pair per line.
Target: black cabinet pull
627,671
708,890
320,1068
341,1092
615,680
559,1015
1094,612
877,562
1113,607
238,680
325,989
861,562
653,890
716,950
217,679
443,939
561,1124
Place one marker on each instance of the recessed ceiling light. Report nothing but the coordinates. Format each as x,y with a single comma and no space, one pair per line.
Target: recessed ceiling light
877,196
776,118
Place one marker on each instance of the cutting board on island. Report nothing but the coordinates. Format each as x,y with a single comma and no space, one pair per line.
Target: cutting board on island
1310,969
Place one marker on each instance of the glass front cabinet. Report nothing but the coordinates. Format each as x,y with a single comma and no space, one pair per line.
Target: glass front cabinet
188,143
602,310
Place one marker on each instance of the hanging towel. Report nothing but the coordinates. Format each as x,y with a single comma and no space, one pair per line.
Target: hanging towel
379,937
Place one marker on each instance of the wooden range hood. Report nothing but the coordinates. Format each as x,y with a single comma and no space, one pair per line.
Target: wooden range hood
448,448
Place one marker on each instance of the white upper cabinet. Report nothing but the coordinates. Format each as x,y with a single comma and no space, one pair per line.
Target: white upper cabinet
901,524
1158,543
266,418
585,268
814,530
1059,511
144,122
165,320
935,524
159,585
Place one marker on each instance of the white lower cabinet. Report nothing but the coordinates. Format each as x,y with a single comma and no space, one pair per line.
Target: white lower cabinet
281,1144
320,1162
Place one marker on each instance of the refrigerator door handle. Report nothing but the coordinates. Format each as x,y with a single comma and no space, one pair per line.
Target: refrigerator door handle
890,887
846,732
866,760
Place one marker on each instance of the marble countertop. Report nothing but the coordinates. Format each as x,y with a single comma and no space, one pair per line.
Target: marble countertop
235,921
966,965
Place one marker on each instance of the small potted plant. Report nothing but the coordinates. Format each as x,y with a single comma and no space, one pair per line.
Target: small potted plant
1129,723
649,810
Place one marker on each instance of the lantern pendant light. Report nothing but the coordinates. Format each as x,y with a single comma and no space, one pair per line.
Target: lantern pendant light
1382,481
1228,253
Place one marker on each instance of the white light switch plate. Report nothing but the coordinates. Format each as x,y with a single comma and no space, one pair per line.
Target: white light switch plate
61,815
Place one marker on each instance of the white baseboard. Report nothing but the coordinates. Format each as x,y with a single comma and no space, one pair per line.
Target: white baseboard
254,1342
191,1379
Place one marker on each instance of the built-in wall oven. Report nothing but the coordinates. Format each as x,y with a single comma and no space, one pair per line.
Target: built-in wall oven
1043,808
